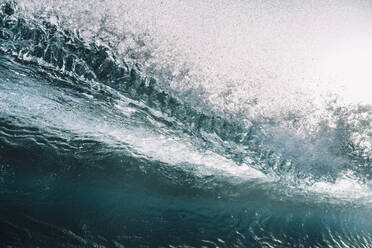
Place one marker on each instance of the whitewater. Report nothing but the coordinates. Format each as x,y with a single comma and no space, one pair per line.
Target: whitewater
185,123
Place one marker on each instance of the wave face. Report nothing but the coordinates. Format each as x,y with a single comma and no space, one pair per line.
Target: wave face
131,124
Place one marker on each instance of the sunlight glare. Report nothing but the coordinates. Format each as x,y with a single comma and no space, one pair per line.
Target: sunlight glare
347,63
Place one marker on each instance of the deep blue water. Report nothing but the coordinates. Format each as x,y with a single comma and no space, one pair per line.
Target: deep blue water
96,153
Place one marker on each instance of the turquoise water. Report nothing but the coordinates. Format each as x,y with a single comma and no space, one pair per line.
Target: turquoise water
102,146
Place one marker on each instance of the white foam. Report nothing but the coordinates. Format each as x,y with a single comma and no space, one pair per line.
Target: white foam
347,187
39,106
284,54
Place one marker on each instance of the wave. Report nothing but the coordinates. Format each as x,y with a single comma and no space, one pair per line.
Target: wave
84,128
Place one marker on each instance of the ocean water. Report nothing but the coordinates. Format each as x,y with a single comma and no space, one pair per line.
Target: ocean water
185,124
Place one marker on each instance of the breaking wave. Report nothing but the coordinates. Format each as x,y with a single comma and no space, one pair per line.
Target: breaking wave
113,135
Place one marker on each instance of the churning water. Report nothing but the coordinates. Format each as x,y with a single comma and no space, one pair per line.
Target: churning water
223,123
